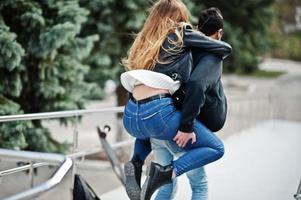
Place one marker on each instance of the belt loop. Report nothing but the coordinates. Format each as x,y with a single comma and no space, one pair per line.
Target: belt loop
137,108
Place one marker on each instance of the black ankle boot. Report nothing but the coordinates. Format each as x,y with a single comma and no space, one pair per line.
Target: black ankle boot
132,171
158,176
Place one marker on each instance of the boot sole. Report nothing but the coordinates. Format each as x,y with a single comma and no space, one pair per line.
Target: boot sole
146,183
132,188
144,188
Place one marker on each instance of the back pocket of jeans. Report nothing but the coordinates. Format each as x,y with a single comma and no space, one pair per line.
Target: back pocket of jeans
154,124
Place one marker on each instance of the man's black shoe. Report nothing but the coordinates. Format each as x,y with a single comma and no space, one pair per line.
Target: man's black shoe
132,171
158,176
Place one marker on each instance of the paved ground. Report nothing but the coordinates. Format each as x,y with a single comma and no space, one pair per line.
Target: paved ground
260,163
251,101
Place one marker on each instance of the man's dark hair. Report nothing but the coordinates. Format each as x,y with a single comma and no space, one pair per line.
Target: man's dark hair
210,21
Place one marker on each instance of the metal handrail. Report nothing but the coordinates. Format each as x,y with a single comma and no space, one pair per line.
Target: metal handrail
100,150
66,164
50,159
22,168
76,155
58,114
16,155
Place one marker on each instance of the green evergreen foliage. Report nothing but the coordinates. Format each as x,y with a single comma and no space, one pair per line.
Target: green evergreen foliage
285,45
41,67
114,21
12,134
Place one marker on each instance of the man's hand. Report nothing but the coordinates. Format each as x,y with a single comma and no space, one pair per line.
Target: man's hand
182,138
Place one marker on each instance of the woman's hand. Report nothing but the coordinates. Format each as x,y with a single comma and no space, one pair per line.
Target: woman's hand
182,138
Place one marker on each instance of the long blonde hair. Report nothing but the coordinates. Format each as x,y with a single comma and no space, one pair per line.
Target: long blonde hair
165,16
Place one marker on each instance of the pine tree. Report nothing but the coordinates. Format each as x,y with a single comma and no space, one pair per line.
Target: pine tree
11,53
41,67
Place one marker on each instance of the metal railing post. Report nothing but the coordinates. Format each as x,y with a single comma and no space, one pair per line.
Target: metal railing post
31,175
74,149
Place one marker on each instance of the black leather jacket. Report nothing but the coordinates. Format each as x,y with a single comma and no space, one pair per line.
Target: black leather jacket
180,64
202,97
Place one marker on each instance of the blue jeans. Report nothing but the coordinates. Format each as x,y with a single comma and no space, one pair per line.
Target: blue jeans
159,119
164,152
